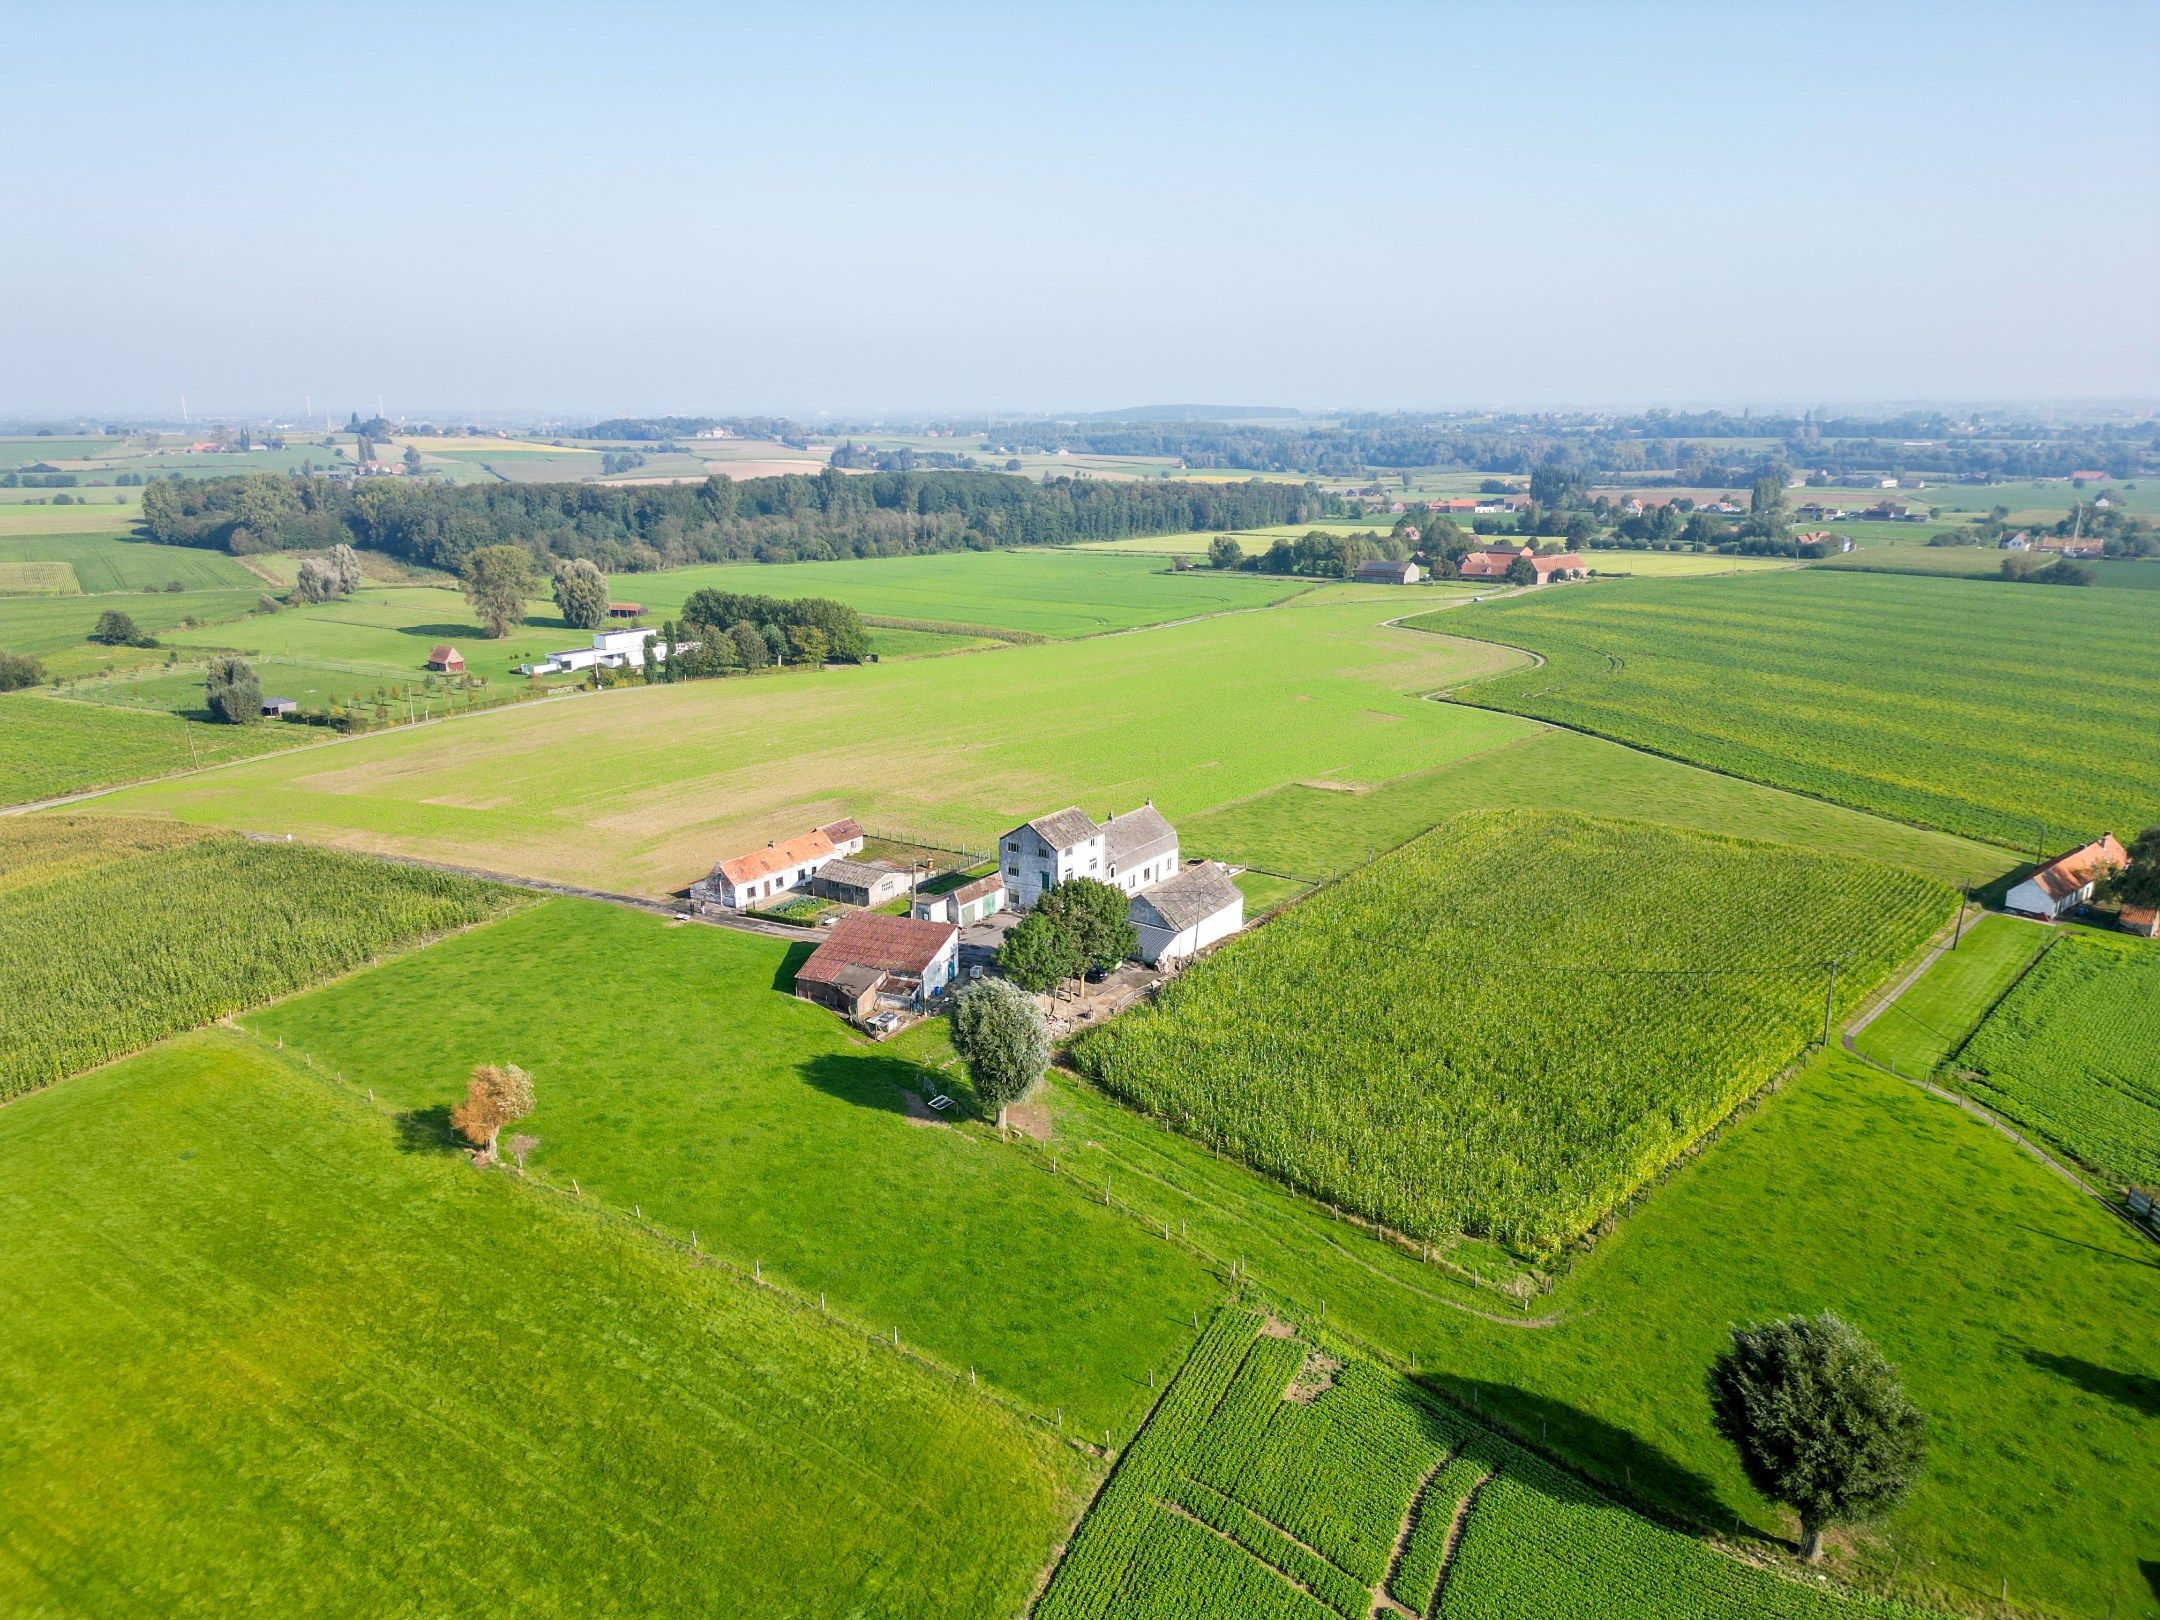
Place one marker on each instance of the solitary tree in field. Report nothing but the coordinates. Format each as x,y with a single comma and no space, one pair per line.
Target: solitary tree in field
1820,1421
231,692
1224,552
496,1095
498,580
1096,917
1002,1038
1038,953
117,629
581,594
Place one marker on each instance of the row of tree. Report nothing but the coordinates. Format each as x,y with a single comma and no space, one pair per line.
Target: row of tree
634,528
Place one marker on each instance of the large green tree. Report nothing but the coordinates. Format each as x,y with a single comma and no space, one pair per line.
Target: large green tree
1820,1421
1096,917
118,629
999,1032
1037,953
581,594
2138,884
18,670
231,692
1224,552
498,581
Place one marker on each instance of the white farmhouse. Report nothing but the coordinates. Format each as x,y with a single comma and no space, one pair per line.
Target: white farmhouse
2067,881
1187,913
1038,855
617,649
762,875
1141,848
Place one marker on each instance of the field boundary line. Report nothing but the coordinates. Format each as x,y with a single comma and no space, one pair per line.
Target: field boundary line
1979,1111
1413,1513
1459,1526
1179,1510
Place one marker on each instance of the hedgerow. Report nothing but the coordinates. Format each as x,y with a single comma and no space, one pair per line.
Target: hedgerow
1513,1023
115,934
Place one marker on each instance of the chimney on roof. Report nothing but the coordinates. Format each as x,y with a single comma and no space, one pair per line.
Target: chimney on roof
772,843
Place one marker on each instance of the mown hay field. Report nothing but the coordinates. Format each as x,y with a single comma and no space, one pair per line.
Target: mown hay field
1283,1479
56,629
1510,1025
1868,689
115,934
265,1350
2072,1053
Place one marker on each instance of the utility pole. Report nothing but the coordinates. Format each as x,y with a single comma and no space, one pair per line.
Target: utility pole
1829,1001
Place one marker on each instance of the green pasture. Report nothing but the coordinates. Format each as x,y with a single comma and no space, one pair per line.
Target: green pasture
35,519
57,628
51,746
644,789
1932,1019
27,450
1045,592
116,563
264,1348
674,1074
1927,700
2015,1308
1677,564
37,579
390,630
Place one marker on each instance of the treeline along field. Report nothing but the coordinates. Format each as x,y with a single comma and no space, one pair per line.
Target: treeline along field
2073,1053
640,527
115,934
2022,715
1282,1481
1514,1022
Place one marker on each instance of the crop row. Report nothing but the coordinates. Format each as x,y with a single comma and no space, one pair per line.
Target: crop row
1165,1541
1861,689
115,934
1512,1023
2071,1054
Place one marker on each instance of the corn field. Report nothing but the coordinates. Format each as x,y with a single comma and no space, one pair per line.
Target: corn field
1512,1024
115,934
1278,1480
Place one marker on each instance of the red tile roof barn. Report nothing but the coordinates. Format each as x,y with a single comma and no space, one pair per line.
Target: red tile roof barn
810,846
843,830
904,945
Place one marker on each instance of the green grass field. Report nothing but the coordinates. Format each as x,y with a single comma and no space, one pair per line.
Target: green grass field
38,579
1281,1478
115,563
1419,1045
261,1350
115,934
1289,739
1865,689
1057,593
645,789
50,747
2070,1054
113,514
2014,1307
56,629
1985,563
674,1074
1932,1019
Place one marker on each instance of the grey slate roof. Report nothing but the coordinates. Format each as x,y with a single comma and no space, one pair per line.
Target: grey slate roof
1193,896
857,874
1136,837
1062,829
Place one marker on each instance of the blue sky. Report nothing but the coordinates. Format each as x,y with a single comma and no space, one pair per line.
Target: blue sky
884,208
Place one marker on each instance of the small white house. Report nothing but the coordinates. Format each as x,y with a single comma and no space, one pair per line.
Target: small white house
2067,881
1188,913
763,875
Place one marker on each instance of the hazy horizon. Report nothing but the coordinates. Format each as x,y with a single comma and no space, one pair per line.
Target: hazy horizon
884,212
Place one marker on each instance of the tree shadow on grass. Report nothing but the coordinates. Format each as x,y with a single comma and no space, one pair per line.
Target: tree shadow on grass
2079,1243
2150,1569
869,1081
2138,1391
1615,1460
427,1130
